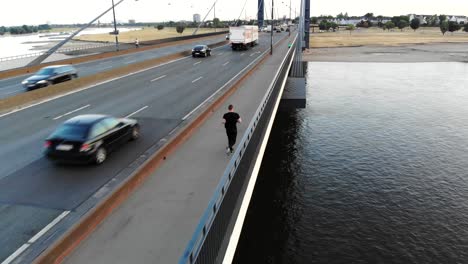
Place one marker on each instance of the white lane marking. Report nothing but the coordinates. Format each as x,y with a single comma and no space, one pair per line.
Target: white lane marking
226,63
105,68
242,54
44,230
196,63
252,54
197,79
48,227
130,61
235,235
224,85
159,78
96,84
137,111
71,112
15,254
221,53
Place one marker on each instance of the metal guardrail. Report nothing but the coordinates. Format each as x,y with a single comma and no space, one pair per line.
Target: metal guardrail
202,235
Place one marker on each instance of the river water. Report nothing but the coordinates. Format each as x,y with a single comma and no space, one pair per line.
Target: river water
374,170
31,43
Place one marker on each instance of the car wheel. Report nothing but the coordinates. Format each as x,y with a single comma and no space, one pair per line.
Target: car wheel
135,133
100,156
206,54
209,53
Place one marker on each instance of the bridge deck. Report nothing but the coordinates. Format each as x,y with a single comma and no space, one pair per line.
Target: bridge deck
155,224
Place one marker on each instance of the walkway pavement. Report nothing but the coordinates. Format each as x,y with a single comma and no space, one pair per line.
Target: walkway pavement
155,224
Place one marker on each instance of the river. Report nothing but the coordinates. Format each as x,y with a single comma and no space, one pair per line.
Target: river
374,170
30,43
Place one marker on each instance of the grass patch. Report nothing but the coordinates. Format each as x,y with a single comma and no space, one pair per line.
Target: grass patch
378,37
145,34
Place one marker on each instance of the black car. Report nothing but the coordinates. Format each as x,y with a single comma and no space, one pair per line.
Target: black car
89,138
201,50
50,75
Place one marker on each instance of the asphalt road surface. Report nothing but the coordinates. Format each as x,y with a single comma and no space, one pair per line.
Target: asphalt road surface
12,86
34,191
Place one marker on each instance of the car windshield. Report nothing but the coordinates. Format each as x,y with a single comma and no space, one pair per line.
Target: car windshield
45,71
68,131
199,47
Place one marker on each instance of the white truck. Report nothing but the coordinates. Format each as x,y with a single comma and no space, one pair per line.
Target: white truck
243,37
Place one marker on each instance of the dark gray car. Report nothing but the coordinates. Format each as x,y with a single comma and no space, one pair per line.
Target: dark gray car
50,75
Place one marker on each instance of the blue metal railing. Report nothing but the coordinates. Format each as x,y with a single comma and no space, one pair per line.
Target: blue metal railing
195,244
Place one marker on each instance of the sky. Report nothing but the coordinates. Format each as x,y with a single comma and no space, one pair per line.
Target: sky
34,12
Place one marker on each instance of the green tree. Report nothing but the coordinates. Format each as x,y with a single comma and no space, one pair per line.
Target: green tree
313,20
396,19
443,27
415,23
44,27
453,26
216,22
351,28
334,26
160,27
180,28
402,24
340,16
442,18
3,30
389,25
369,16
465,28
324,25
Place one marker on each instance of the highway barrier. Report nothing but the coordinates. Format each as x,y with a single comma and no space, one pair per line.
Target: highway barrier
73,237
24,99
207,240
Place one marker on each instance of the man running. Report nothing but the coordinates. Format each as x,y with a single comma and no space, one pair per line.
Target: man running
230,120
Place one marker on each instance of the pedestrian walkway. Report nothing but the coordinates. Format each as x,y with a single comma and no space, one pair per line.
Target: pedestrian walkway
156,222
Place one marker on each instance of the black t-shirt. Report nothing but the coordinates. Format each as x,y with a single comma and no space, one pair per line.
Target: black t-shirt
231,121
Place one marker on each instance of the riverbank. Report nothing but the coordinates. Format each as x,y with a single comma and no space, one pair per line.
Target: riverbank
144,34
379,37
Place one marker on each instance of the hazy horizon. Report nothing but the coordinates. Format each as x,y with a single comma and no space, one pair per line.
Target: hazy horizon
57,12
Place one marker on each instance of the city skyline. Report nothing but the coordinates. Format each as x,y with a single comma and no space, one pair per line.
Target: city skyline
55,12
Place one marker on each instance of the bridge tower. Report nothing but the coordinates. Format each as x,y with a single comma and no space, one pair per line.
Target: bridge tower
260,14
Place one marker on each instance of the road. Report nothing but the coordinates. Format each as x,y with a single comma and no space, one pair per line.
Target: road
12,86
33,191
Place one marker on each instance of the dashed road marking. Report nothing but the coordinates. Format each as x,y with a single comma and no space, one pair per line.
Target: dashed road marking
137,111
159,78
71,112
197,79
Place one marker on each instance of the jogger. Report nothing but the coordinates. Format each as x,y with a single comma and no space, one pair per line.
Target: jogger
230,120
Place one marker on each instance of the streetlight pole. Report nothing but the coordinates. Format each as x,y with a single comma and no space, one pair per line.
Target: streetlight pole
115,28
271,39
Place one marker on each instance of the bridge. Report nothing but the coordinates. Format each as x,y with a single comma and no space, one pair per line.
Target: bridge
173,195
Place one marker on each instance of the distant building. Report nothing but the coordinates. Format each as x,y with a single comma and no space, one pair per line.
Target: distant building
131,21
458,19
196,18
